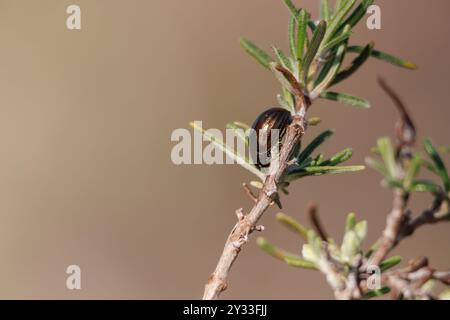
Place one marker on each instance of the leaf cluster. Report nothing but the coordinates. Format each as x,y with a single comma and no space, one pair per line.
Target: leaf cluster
317,50
407,177
314,256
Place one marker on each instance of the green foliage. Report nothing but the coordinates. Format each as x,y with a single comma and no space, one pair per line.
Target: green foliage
316,59
438,163
306,165
260,55
313,66
315,254
385,57
406,177
292,224
390,263
345,98
240,159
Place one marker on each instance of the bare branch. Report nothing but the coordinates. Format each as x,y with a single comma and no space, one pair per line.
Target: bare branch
408,282
394,223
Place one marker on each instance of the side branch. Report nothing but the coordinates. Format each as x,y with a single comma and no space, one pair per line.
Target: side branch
394,224
238,237
400,225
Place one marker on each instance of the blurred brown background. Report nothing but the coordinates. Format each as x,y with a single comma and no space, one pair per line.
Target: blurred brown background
85,124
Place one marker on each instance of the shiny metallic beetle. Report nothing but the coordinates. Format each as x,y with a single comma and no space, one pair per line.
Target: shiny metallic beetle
272,119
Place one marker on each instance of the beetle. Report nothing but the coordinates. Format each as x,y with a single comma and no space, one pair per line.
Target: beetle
262,130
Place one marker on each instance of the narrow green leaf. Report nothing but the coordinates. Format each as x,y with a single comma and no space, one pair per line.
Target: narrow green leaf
312,26
292,224
337,20
337,40
289,98
239,132
361,229
434,155
322,170
314,121
298,262
430,166
292,9
339,158
320,139
385,57
242,161
377,165
338,5
241,125
392,183
425,186
358,13
302,36
325,83
350,222
283,59
273,250
292,35
387,153
355,65
260,55
376,293
327,64
389,263
313,48
283,103
325,10
317,160
412,172
373,248
345,98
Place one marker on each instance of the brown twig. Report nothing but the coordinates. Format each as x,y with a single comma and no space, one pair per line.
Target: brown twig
394,223
408,282
249,192
405,129
238,237
399,216
439,212
313,215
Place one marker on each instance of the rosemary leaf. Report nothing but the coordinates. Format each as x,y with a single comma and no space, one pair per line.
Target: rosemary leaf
385,57
283,59
358,13
302,36
355,65
313,48
434,155
260,55
242,161
307,152
291,35
345,98
325,10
